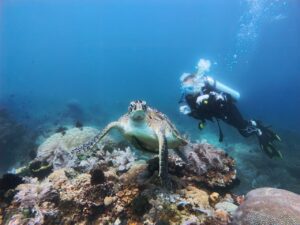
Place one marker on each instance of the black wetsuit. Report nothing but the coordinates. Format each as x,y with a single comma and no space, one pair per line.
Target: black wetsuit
224,110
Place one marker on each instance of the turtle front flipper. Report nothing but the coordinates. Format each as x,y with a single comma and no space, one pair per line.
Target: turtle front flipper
163,160
90,144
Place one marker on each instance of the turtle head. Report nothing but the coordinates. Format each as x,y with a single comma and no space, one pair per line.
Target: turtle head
137,110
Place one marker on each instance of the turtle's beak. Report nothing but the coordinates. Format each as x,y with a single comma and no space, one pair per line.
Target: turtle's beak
138,115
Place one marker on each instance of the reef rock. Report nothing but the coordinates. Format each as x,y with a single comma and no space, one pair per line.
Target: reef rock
197,197
269,206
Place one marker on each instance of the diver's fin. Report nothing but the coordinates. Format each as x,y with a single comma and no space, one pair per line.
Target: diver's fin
267,138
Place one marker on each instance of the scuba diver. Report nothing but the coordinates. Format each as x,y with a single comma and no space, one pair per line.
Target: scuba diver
204,98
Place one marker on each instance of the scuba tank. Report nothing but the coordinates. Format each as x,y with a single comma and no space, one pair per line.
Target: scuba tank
222,87
203,66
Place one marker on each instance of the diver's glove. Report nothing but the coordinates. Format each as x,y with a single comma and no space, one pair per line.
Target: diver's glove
266,138
202,99
219,97
185,109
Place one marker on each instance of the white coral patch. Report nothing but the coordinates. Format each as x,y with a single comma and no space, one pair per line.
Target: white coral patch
56,148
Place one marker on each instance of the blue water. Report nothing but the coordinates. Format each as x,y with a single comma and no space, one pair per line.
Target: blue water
99,55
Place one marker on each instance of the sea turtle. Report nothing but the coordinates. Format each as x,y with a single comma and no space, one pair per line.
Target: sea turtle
147,129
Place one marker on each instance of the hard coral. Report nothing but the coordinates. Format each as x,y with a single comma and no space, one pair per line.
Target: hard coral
56,149
269,206
206,164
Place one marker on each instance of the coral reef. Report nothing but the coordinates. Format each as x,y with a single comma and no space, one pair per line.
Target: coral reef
269,206
113,184
120,189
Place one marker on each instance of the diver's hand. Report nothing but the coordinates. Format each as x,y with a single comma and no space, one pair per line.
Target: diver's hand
202,99
185,109
219,97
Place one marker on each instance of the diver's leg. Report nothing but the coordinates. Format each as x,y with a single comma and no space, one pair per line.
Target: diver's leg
266,136
233,117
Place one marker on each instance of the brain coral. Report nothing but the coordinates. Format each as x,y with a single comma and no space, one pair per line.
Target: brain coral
269,206
56,148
